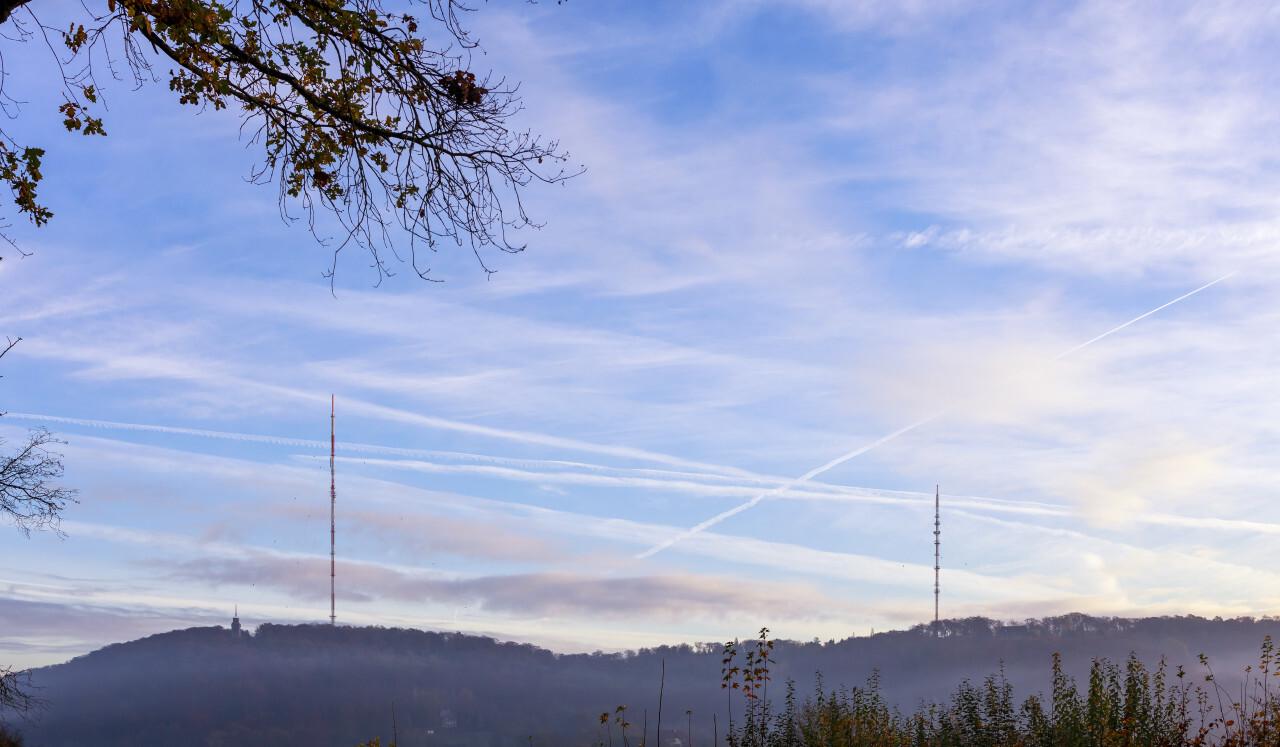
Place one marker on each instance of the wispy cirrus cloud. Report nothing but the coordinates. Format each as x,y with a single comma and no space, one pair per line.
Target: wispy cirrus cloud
803,226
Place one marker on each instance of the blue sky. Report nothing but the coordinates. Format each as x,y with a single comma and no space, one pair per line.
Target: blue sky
803,226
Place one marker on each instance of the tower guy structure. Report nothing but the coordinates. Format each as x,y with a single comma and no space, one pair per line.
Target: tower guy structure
937,548
333,503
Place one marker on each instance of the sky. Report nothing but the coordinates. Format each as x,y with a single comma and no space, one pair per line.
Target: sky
910,234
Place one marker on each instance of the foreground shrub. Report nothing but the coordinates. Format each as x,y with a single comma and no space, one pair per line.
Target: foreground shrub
1121,707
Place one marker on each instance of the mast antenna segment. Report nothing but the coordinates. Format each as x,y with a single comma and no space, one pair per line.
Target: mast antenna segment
333,503
937,546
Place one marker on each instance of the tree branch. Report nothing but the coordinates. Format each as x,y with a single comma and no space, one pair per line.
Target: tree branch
29,497
356,113
8,6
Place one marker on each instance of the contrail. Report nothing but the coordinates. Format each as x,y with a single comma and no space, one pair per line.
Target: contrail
840,460
109,425
303,442
1060,356
712,471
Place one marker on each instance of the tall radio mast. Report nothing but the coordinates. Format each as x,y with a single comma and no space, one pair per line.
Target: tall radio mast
937,546
333,503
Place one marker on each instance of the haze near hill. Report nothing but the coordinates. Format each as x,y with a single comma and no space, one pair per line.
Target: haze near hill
323,685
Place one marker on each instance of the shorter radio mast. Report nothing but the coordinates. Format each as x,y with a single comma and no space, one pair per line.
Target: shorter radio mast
333,504
937,547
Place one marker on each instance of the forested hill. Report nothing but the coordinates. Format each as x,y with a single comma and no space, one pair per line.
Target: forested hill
318,685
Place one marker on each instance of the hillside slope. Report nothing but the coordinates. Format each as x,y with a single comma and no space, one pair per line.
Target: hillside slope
318,685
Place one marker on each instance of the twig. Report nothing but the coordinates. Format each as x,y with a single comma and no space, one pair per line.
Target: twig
10,347
662,683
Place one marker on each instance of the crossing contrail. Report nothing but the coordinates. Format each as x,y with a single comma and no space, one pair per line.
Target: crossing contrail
884,439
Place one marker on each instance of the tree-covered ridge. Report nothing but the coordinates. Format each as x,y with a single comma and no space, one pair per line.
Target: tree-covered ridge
321,685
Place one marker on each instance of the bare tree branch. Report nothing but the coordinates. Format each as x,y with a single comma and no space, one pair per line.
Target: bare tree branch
29,499
29,496
8,6
9,347
17,694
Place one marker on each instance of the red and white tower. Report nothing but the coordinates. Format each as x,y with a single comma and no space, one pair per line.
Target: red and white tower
937,546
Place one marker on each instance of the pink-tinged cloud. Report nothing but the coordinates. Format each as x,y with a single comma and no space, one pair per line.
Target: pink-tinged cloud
536,594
